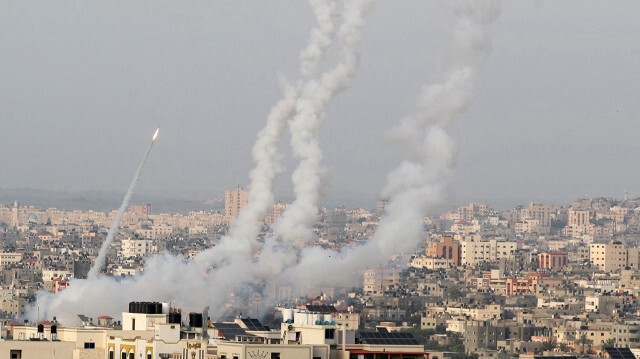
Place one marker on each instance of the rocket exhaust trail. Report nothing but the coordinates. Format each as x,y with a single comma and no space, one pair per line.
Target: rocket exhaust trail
244,231
295,225
421,180
99,263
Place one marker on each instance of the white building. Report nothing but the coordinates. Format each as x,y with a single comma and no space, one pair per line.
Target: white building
135,247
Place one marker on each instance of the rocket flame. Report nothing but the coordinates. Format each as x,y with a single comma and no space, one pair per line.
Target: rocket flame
155,134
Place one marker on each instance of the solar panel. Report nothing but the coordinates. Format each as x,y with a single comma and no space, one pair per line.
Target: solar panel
230,330
387,338
254,325
620,353
321,309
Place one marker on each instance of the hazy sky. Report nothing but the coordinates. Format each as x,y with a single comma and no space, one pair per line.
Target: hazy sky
83,85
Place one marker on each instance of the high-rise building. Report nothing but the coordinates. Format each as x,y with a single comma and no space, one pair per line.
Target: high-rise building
143,209
14,214
234,201
278,210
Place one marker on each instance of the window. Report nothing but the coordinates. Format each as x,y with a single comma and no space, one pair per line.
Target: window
329,333
131,355
111,354
275,355
89,345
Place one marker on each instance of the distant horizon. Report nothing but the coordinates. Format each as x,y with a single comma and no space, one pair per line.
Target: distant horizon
106,201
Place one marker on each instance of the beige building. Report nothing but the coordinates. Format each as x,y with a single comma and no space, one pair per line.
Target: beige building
278,210
159,335
155,231
431,263
15,306
51,274
143,209
579,217
630,279
349,320
530,226
8,258
613,256
473,251
376,281
25,349
234,201
598,333
86,343
463,227
238,350
471,211
538,211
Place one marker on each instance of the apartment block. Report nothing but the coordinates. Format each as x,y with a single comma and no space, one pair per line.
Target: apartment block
613,256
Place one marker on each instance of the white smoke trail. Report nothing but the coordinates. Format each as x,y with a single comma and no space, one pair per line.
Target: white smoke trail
244,230
414,186
234,251
321,37
295,225
420,182
99,263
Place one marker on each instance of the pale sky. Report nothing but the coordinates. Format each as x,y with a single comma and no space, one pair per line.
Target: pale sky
83,85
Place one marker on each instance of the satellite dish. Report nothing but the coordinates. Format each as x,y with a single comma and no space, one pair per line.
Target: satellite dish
290,327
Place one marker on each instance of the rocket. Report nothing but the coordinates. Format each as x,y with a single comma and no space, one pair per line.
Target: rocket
113,230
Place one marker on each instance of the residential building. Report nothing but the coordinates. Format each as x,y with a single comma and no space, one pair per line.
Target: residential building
613,256
234,201
447,248
554,261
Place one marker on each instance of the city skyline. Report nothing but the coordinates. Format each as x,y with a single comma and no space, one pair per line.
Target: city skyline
551,120
335,179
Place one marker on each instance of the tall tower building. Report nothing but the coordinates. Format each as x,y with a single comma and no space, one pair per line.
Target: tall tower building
143,209
234,201
14,214
278,210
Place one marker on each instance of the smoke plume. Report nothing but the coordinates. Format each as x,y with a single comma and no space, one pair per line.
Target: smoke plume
216,276
245,229
321,37
295,225
421,181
